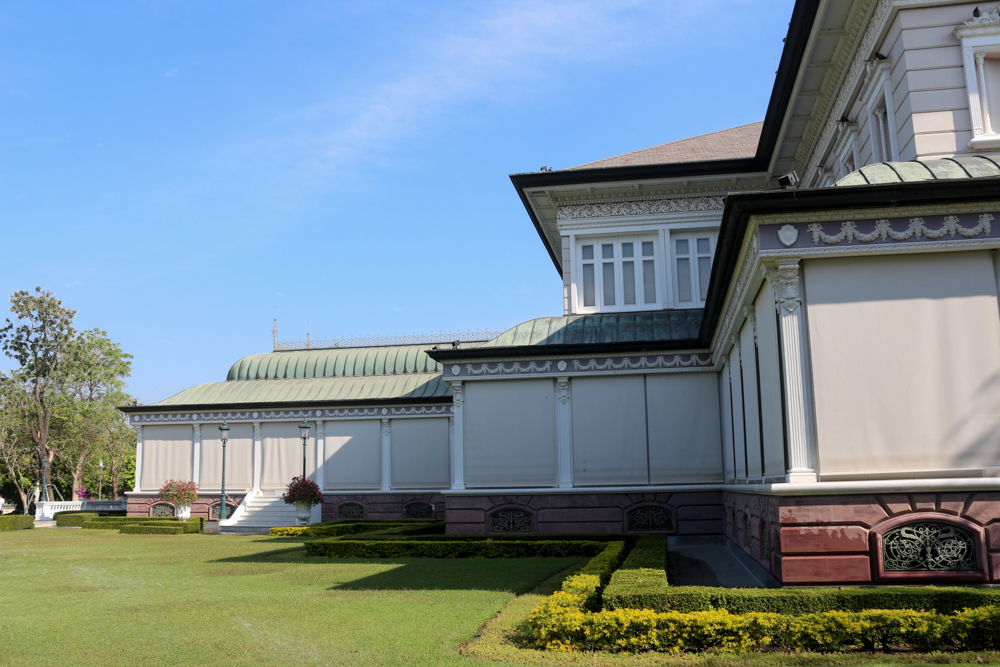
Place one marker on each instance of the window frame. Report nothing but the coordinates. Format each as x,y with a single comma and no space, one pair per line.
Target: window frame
692,236
636,238
980,38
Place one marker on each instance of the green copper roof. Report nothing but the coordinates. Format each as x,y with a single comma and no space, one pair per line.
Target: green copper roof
878,173
335,363
643,327
309,390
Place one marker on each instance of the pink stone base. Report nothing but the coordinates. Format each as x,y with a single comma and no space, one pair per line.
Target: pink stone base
143,505
695,513
828,540
382,505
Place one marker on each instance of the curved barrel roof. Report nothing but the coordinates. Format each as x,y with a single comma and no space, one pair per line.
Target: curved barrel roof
334,363
640,327
879,173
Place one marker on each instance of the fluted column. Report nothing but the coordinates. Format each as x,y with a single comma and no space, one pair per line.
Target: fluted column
196,464
564,432
257,460
138,458
984,93
386,455
321,453
788,301
457,440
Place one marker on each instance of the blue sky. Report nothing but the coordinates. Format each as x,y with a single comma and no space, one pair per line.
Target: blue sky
176,171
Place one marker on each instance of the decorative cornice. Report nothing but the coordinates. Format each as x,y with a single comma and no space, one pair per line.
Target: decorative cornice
987,23
646,207
917,228
492,370
278,415
715,188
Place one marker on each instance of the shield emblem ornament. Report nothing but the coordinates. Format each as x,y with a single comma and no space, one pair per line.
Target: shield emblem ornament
788,234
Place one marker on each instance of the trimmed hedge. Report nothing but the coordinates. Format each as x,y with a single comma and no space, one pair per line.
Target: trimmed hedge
16,522
561,622
76,519
114,523
337,548
100,512
642,578
795,601
192,525
334,529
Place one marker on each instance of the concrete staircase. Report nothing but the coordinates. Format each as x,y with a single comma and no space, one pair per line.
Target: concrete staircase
263,512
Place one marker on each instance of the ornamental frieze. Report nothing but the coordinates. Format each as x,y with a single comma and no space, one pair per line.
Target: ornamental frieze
250,415
883,231
613,364
647,207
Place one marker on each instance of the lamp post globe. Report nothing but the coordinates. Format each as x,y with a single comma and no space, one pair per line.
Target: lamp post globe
224,435
304,432
100,484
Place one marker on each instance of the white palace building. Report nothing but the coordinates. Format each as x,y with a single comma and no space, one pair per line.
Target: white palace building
785,333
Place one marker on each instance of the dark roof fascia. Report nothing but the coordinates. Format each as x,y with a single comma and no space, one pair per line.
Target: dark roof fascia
799,28
561,350
740,207
129,409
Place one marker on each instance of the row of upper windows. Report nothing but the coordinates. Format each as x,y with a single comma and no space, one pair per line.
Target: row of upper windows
622,273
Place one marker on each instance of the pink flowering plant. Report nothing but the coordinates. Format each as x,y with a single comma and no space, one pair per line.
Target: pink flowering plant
83,494
179,493
302,490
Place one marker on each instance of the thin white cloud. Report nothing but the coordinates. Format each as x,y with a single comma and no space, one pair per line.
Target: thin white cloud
171,72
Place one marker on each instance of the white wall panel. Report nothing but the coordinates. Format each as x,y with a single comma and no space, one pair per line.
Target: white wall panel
420,453
770,382
684,435
751,411
736,386
906,361
609,431
354,454
510,433
239,457
281,453
727,422
167,453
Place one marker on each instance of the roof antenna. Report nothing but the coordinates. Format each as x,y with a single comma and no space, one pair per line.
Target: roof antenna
307,334
274,331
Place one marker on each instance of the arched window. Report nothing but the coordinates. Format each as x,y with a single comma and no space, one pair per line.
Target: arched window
418,511
650,519
162,510
351,511
746,529
511,521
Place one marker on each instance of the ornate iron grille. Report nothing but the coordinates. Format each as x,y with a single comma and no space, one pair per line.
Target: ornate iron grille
163,510
765,542
418,511
350,511
650,519
511,521
928,547
217,511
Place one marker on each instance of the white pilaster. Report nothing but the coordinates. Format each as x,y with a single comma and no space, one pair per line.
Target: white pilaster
196,467
321,453
785,279
972,85
564,432
257,458
138,457
386,455
984,94
457,439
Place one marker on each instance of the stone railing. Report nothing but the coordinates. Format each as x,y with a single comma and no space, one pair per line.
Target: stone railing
45,511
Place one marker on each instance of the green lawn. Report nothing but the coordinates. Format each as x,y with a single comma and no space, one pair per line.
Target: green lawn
100,598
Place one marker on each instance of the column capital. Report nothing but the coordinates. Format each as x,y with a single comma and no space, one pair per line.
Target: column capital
785,279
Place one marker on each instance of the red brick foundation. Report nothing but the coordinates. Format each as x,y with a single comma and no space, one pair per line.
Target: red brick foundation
143,505
826,540
382,506
694,513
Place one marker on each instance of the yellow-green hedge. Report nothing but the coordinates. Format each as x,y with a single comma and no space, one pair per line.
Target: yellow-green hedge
561,622
331,529
17,522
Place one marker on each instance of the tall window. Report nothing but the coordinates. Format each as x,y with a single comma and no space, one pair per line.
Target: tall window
980,39
692,267
618,273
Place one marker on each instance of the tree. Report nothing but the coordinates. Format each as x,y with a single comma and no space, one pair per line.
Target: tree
86,412
16,448
41,342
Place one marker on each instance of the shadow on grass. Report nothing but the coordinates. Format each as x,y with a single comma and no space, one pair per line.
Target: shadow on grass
516,575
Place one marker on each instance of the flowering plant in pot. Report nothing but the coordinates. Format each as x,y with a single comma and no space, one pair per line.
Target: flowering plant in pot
181,494
303,493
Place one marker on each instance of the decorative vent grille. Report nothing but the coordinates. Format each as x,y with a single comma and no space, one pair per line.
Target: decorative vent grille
163,510
350,511
418,511
511,521
646,519
928,547
746,529
765,542
216,511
